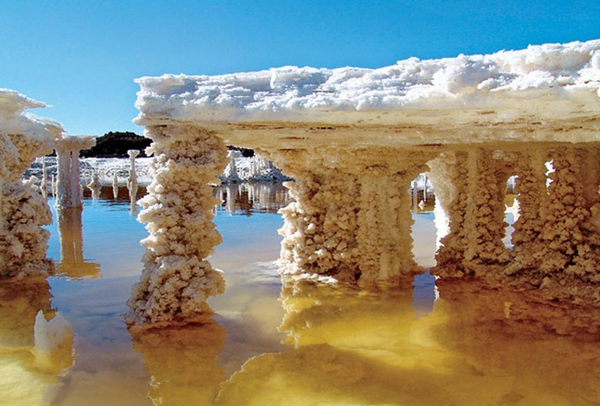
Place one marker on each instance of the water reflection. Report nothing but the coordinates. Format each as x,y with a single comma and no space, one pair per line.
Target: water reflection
477,347
181,362
35,343
70,231
247,198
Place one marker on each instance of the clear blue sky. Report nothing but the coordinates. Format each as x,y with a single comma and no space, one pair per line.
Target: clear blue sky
81,56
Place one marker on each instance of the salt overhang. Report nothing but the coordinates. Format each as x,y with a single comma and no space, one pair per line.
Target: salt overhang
549,92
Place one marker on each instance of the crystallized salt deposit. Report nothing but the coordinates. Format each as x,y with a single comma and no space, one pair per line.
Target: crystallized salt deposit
567,75
354,139
23,210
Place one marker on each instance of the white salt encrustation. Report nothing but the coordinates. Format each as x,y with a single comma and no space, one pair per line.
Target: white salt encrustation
354,139
23,137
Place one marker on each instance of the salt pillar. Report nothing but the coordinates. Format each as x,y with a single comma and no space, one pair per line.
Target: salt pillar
178,209
44,184
475,207
23,209
132,183
384,226
68,186
115,186
351,219
530,185
95,186
320,226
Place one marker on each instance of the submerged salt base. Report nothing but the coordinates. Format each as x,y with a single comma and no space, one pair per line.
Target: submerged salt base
345,134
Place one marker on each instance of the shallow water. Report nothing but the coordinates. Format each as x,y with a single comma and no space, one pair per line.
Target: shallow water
274,342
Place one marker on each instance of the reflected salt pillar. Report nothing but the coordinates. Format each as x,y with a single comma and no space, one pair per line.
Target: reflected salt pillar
70,232
184,371
178,210
519,349
132,183
350,347
68,185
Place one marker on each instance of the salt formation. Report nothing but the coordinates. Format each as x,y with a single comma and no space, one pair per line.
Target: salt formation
23,209
132,183
95,186
68,186
115,186
53,349
354,139
177,280
31,368
44,185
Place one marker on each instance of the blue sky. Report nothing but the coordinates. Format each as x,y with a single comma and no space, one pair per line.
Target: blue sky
81,56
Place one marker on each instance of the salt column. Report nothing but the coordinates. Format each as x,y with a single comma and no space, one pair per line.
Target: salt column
68,186
95,186
132,183
178,209
115,185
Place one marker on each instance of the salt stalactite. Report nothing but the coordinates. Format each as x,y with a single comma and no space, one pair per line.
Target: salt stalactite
68,186
178,210
115,186
132,183
70,233
95,186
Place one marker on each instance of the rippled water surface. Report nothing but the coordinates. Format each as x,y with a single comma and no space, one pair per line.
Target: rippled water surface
274,342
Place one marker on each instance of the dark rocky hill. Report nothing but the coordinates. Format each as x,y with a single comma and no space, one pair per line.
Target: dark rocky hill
116,144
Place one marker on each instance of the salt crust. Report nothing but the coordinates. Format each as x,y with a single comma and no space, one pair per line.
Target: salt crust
565,76
23,210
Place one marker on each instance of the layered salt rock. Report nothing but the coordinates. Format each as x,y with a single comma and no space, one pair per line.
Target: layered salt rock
354,139
177,280
24,211
564,79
